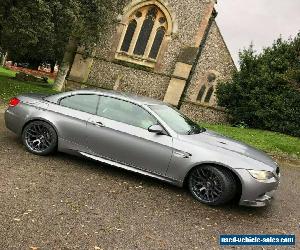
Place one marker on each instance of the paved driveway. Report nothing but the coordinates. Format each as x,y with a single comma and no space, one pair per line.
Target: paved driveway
64,202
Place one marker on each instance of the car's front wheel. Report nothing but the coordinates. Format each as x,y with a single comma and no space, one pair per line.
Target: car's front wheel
39,138
212,185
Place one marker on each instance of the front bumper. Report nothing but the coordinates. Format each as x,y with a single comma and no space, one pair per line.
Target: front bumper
261,201
257,193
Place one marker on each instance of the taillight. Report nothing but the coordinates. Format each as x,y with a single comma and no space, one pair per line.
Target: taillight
14,102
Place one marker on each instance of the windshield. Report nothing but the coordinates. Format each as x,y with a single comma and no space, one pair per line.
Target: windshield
177,121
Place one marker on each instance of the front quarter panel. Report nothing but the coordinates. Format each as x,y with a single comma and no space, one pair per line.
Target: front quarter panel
187,155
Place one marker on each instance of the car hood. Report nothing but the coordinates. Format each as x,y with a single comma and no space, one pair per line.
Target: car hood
217,140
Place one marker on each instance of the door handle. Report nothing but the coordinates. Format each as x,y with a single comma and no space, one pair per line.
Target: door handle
182,154
97,123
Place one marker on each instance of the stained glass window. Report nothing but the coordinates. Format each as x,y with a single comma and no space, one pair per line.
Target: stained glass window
146,30
157,42
128,36
145,33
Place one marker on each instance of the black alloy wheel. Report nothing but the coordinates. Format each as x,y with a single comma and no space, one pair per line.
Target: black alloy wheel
39,138
212,185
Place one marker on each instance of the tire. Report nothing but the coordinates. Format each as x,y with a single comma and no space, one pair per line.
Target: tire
212,185
39,138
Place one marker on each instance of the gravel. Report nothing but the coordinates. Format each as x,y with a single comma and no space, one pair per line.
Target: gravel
65,202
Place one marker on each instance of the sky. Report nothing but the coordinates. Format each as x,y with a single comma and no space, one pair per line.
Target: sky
258,21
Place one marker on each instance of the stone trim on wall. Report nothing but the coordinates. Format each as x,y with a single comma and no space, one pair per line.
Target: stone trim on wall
202,30
200,40
81,68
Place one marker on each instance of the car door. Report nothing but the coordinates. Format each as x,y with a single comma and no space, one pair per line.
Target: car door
70,118
119,132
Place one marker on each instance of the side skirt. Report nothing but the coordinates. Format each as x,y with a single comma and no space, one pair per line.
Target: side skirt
132,169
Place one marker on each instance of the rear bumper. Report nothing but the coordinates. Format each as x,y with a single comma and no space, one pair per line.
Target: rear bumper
12,121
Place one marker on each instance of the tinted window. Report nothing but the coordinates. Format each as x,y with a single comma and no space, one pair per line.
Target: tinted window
177,121
125,112
85,103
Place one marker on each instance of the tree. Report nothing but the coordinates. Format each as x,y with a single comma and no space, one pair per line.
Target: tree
264,93
26,31
3,56
37,31
85,30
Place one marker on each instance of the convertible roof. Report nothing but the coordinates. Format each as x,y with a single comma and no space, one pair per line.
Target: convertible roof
117,94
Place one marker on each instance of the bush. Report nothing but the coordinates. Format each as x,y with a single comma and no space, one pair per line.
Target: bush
21,76
265,92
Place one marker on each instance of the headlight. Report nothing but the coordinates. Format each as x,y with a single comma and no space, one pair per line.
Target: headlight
261,175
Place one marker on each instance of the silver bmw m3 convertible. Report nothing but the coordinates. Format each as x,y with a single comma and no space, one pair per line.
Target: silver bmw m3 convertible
145,136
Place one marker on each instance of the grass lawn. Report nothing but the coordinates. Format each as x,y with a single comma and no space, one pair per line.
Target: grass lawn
10,73
7,72
10,87
273,143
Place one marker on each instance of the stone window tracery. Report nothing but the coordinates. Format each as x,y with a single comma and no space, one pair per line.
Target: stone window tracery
207,89
144,35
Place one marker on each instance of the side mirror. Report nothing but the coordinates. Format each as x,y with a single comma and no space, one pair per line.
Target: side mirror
156,129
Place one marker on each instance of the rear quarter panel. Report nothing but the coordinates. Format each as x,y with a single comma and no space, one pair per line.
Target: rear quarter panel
16,117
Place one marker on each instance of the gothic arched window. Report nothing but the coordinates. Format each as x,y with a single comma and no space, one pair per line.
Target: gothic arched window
209,94
143,36
205,89
145,32
201,93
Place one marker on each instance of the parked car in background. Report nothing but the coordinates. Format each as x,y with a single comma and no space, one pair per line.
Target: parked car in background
145,136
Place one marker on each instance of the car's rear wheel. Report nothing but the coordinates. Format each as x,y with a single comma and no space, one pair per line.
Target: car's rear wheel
39,138
212,185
